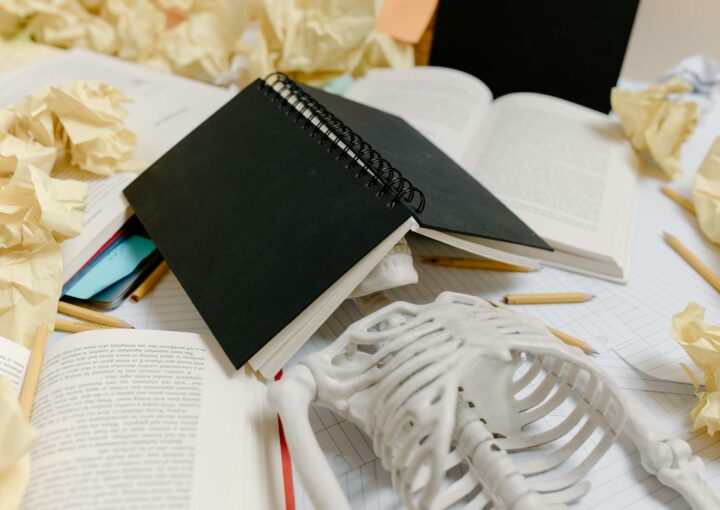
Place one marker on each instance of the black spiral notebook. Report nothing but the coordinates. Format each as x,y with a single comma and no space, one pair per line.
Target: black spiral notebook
275,208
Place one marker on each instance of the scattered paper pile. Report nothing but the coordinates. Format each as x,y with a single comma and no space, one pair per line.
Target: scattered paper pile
655,123
75,126
702,343
220,41
16,439
706,193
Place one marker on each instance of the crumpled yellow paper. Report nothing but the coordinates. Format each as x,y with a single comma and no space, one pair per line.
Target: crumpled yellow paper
194,38
185,37
702,343
16,440
79,125
83,122
315,40
219,41
68,24
706,193
654,123
36,213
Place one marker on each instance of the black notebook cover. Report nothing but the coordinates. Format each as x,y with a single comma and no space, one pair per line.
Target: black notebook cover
257,218
455,201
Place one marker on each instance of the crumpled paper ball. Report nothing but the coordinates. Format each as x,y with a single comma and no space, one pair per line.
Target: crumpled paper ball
17,437
656,124
79,125
36,213
315,41
186,37
193,38
701,342
218,41
83,122
706,193
68,24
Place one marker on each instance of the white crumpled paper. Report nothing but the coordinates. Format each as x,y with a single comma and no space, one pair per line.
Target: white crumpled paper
16,440
702,343
656,124
706,193
78,125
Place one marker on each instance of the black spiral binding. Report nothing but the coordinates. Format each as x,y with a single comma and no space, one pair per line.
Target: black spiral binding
293,100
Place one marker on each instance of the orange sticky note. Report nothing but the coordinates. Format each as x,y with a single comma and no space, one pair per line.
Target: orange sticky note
406,20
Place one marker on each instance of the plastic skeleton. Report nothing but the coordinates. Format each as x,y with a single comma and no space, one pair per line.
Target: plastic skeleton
462,402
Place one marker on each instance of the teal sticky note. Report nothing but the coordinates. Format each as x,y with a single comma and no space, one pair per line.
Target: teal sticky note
339,85
120,262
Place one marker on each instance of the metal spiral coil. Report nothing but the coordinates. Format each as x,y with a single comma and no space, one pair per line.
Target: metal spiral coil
297,103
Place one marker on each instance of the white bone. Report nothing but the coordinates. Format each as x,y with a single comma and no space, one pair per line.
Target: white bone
459,383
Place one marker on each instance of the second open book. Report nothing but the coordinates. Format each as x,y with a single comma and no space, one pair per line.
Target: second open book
564,169
130,418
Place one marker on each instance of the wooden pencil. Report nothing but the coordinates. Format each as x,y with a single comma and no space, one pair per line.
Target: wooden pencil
491,265
698,265
149,282
32,373
571,340
80,312
679,199
77,327
553,297
563,337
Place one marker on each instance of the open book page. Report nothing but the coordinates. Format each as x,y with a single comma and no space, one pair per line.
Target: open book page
564,169
13,361
148,418
445,105
163,110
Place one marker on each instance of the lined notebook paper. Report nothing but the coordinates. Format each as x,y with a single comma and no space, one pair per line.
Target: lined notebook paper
663,284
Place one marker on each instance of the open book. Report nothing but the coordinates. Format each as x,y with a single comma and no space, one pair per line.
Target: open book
137,418
562,168
164,109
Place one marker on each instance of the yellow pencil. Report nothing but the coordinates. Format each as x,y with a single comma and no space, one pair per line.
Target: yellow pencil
491,265
563,337
32,374
86,314
540,299
679,199
77,327
149,282
571,340
704,271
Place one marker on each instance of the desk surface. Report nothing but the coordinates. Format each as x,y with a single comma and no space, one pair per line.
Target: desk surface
667,31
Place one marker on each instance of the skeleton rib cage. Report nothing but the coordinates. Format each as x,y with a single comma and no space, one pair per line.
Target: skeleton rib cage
471,406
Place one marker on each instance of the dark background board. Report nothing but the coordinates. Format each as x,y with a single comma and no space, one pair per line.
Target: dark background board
564,48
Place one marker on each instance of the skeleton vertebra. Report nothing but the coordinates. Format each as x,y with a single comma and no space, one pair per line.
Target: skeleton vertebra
471,405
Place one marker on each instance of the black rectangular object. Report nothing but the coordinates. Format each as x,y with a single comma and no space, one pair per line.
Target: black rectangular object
257,217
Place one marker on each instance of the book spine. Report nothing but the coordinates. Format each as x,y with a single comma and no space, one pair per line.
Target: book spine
348,145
